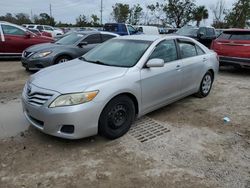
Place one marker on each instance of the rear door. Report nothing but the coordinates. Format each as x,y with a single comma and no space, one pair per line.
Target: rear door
193,65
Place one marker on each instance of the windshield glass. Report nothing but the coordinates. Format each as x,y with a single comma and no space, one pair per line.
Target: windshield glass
118,52
70,39
187,31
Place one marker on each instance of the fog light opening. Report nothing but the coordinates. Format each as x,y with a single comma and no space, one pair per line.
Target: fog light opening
68,129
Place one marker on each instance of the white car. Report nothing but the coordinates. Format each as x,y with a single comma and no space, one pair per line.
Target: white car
148,30
53,31
121,79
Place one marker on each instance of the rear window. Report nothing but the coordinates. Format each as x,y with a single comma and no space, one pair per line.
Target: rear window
111,27
235,35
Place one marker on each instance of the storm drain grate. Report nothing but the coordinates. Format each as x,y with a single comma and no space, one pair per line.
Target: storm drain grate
146,129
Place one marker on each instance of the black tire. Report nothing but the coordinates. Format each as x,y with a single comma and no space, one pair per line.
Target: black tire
208,77
61,58
117,117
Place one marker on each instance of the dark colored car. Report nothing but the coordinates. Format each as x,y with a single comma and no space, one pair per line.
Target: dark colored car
14,39
233,47
69,47
120,29
204,35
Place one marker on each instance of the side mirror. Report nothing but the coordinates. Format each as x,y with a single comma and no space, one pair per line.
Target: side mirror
27,35
81,44
155,63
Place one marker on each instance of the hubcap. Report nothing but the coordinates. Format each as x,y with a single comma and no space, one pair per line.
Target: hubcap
206,84
117,116
62,60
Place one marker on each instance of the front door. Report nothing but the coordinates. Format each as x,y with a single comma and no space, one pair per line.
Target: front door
161,85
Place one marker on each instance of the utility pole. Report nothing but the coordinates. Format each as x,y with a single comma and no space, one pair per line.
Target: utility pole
31,15
101,10
50,13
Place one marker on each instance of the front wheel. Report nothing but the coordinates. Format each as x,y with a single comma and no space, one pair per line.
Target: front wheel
117,117
206,85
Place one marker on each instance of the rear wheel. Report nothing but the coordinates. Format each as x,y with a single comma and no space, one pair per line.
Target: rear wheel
117,117
62,59
206,85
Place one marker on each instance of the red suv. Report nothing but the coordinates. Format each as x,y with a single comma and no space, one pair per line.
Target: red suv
233,47
14,39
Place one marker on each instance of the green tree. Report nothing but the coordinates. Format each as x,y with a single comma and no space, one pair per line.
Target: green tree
82,21
157,11
199,14
44,19
179,12
135,14
8,18
239,15
22,18
120,12
95,20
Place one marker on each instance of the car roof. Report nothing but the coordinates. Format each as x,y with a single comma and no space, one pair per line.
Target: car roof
151,38
237,29
95,32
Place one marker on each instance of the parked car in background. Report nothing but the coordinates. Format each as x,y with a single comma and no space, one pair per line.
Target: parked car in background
40,33
49,29
204,35
124,78
120,29
148,30
163,30
233,47
69,47
14,39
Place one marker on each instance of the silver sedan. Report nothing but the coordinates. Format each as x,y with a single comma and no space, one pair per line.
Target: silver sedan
124,78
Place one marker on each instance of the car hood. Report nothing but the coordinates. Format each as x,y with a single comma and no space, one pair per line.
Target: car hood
75,76
44,47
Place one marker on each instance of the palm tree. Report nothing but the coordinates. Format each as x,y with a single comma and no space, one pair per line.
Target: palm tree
199,14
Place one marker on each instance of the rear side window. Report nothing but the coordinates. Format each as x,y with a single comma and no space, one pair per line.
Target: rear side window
106,37
199,50
240,36
31,26
12,30
187,49
165,50
40,28
110,27
48,28
93,39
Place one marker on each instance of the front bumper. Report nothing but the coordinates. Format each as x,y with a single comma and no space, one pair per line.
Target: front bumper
235,61
83,117
36,64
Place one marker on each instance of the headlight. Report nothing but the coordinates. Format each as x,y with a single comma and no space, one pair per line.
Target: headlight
73,99
41,54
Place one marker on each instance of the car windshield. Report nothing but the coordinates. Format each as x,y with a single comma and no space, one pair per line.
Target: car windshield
70,39
117,52
187,31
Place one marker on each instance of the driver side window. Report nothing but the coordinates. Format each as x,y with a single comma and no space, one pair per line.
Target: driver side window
11,30
93,39
131,30
165,50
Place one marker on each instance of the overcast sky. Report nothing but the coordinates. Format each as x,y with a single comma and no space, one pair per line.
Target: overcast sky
68,10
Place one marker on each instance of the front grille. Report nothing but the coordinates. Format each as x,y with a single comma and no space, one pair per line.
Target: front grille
27,54
38,98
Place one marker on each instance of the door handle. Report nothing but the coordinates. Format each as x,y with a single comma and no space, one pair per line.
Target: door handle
204,59
178,67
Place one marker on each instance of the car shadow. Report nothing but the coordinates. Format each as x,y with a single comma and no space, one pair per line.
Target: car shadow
234,71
